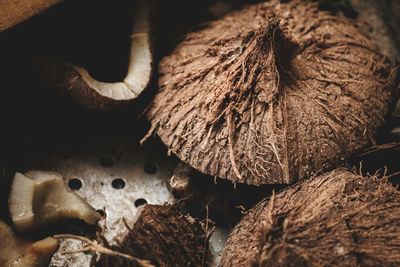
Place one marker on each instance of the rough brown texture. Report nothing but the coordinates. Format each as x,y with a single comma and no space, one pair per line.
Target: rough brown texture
164,236
271,94
14,12
336,219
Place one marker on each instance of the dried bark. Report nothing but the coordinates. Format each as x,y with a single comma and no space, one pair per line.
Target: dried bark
165,237
336,219
271,94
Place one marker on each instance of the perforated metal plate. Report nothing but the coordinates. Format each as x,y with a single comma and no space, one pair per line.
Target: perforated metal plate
115,178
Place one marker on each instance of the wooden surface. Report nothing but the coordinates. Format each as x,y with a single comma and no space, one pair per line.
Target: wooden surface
13,12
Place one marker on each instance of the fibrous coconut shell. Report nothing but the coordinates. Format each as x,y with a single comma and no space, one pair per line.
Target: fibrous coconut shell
164,236
271,94
336,219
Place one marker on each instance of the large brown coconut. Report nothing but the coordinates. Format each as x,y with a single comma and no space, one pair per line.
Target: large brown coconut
271,94
336,219
163,236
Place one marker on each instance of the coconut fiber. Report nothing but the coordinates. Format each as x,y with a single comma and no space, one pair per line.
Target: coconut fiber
336,219
271,94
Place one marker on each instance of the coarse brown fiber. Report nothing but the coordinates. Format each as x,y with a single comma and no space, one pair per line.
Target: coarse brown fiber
336,219
164,236
272,93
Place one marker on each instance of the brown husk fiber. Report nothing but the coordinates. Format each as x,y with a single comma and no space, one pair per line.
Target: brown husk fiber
271,94
164,236
336,219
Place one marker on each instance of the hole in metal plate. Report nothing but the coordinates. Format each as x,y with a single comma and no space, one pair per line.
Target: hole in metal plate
150,168
140,202
118,183
75,184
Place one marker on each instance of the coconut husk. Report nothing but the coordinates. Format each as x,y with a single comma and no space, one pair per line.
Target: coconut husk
271,94
164,236
336,219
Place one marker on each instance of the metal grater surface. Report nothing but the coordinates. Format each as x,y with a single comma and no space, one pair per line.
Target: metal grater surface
117,178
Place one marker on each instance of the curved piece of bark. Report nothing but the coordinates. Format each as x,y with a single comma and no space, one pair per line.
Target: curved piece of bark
336,219
14,12
271,94
17,252
95,94
164,236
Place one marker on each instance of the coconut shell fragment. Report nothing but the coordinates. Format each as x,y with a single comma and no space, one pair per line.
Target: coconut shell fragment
94,94
336,219
271,94
41,198
164,236
17,252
